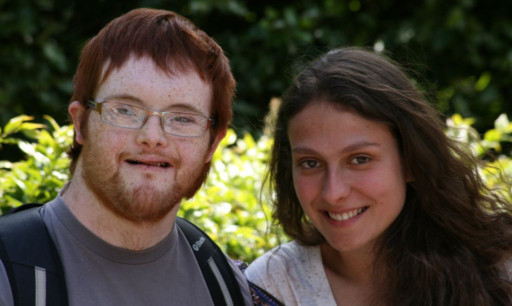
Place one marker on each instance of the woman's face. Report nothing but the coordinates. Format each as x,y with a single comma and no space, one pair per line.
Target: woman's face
347,174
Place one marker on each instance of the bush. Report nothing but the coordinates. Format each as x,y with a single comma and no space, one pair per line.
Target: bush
496,163
43,172
41,41
228,208
231,207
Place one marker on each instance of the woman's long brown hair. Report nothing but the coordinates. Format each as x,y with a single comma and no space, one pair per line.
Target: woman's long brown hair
450,244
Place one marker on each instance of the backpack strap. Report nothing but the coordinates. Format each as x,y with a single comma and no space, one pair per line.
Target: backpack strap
260,296
31,259
39,280
217,272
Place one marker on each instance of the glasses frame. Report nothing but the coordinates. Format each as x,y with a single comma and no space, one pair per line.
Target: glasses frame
97,106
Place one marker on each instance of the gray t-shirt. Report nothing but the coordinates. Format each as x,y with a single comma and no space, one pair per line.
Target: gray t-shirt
98,273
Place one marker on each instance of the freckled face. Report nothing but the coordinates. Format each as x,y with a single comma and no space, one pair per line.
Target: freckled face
141,174
347,175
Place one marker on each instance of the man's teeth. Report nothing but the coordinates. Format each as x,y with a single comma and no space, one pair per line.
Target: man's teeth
346,215
136,162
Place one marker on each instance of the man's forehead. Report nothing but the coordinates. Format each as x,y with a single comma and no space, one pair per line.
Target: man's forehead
139,81
172,68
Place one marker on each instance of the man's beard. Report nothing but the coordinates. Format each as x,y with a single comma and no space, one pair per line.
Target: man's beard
141,203
138,204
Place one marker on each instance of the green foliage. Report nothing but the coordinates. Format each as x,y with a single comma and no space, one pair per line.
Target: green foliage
232,207
36,56
462,48
229,207
39,176
496,165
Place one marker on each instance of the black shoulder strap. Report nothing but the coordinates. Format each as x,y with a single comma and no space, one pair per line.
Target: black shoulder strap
31,259
37,257
217,272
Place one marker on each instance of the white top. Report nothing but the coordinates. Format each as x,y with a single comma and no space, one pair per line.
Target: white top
294,274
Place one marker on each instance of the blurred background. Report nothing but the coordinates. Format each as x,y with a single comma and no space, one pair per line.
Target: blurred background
459,52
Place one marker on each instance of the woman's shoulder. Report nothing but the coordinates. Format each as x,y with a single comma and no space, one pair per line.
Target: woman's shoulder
507,269
283,264
293,273
284,256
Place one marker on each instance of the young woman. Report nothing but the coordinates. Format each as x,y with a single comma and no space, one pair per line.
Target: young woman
382,207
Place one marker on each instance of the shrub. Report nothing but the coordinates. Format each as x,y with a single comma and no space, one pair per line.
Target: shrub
496,163
43,172
232,207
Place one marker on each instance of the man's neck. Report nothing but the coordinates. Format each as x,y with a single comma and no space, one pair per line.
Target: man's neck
110,227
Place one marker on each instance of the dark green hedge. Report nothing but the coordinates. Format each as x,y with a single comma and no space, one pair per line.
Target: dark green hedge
461,48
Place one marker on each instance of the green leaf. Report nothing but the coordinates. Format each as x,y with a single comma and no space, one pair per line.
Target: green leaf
492,135
31,126
483,81
27,147
5,164
15,124
53,123
502,123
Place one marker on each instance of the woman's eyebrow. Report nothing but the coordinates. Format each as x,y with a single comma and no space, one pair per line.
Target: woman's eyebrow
360,145
350,148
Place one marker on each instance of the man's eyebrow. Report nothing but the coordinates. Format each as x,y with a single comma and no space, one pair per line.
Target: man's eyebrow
179,107
122,97
186,107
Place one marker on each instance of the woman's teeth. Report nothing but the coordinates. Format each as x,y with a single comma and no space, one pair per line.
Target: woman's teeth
346,215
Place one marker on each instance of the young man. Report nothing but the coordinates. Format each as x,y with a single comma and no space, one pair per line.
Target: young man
152,100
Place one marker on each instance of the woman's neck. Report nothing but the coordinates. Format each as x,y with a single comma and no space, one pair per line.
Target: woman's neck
356,266
351,275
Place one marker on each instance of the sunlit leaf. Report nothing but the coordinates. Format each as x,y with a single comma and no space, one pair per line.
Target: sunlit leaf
15,124
502,123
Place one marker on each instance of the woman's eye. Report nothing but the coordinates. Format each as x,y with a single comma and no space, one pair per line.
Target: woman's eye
360,160
309,164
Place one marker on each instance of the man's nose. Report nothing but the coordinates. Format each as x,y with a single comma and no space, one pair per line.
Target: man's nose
151,133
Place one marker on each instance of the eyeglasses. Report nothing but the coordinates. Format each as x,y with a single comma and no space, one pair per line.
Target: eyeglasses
133,117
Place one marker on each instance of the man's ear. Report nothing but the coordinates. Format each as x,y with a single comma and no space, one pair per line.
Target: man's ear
215,143
77,111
